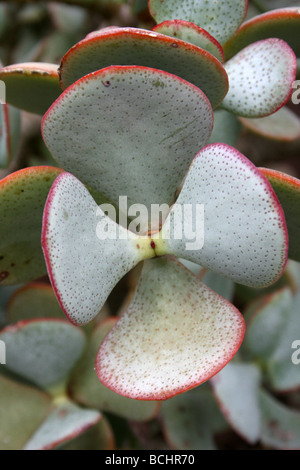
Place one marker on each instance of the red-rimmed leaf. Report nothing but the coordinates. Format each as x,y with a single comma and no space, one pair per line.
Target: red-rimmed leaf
282,23
86,389
31,86
287,189
236,388
103,127
280,424
284,125
175,335
272,330
265,320
261,78
134,46
243,234
34,300
22,411
190,32
220,19
10,126
22,198
190,420
98,437
86,252
43,351
65,422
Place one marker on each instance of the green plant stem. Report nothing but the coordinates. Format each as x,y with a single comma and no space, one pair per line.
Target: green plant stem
58,393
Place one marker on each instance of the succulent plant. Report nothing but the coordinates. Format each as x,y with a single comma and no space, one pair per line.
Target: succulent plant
144,180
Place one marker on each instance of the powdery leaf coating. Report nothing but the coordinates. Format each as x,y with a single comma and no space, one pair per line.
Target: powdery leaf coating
190,420
176,334
42,351
280,424
31,86
64,423
283,23
287,189
85,388
219,17
284,125
84,268
267,323
261,78
22,411
236,388
276,324
22,198
192,33
103,130
245,236
134,46
34,300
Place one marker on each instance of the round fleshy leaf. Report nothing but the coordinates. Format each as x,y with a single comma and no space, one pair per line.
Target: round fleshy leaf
282,23
42,351
86,252
240,226
102,130
280,424
227,128
10,126
35,300
284,125
5,293
192,33
190,420
134,46
236,388
283,367
31,86
175,335
261,78
64,423
271,333
22,411
98,437
221,19
86,389
292,272
266,323
22,199
287,189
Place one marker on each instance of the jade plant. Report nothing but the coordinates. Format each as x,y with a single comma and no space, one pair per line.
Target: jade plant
138,175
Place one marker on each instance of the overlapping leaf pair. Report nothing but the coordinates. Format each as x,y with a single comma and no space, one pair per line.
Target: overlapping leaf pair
133,129
177,332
